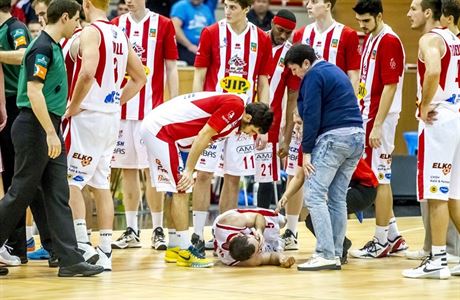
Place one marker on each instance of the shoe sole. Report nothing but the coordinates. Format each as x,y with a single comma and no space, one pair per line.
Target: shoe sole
93,259
443,274
161,247
327,267
291,249
170,260
84,274
115,246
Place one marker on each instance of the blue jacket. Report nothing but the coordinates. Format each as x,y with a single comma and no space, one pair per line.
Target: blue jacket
326,101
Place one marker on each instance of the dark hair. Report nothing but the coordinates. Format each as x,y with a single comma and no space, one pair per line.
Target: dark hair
435,6
121,2
33,22
262,116
244,3
298,53
5,5
373,7
451,8
286,14
332,2
58,7
35,2
240,249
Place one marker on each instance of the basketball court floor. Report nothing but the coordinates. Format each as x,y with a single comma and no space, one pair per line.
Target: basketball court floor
142,274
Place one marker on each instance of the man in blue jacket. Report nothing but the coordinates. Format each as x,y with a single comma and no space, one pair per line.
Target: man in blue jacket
333,142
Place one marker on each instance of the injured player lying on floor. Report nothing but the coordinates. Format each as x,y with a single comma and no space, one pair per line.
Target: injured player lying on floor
250,237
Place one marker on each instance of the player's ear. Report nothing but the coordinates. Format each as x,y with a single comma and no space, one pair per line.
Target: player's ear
65,17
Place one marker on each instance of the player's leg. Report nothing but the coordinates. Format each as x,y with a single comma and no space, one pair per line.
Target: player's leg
155,201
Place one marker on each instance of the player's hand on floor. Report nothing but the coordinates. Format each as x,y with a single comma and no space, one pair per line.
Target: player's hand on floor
185,181
286,261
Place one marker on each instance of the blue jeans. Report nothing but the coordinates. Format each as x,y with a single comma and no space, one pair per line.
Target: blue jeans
335,158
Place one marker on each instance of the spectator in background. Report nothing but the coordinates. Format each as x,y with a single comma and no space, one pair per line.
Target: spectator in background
162,7
189,18
22,10
260,14
34,28
122,8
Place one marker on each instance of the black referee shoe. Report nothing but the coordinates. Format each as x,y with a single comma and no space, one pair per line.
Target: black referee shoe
80,269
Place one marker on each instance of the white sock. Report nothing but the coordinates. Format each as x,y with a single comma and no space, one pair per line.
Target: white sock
183,238
105,240
439,255
88,233
393,231
29,232
131,220
80,230
199,220
292,221
172,238
381,234
157,219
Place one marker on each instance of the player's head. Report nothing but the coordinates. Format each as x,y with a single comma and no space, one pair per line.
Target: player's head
242,247
5,6
299,59
66,14
282,26
34,28
261,6
196,2
423,11
40,7
235,10
450,13
95,4
257,119
318,9
369,14
132,5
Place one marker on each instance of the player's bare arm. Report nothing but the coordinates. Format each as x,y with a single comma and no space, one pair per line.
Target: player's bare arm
199,144
136,73
13,57
388,93
38,104
432,49
74,49
172,77
268,258
198,79
354,79
263,89
293,187
3,114
89,40
289,127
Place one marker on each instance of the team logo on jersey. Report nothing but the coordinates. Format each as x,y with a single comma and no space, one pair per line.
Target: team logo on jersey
160,166
362,92
139,51
334,43
433,189
85,160
19,37
153,33
236,65
374,54
114,33
112,98
234,84
136,33
446,168
392,64
307,41
281,62
224,44
41,66
253,47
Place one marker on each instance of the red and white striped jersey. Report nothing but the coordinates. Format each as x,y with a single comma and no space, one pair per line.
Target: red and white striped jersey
281,77
339,44
154,40
66,44
223,233
180,119
449,80
233,61
382,63
104,95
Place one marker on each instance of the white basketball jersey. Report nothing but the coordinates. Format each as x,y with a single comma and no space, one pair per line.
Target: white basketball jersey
449,82
104,95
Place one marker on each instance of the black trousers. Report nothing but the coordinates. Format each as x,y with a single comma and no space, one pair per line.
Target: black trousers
33,168
265,195
17,239
185,55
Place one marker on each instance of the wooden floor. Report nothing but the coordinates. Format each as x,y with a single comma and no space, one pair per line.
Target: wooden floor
141,273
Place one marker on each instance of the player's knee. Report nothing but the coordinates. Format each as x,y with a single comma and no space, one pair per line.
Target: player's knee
204,176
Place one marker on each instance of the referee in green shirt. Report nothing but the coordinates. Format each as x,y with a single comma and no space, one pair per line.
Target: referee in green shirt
40,154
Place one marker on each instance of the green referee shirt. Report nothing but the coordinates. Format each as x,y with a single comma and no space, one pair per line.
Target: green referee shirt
13,36
43,62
